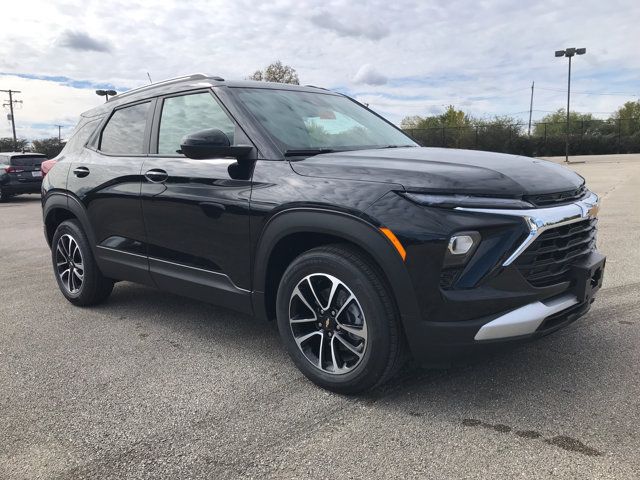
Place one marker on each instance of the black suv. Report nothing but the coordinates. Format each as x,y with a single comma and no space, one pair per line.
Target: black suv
20,173
299,204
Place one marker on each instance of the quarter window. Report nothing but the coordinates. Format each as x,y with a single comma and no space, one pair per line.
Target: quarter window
124,133
189,114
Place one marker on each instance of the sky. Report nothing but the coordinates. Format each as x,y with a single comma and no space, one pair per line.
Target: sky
401,57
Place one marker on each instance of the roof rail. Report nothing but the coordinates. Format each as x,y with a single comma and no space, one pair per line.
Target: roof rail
315,86
169,81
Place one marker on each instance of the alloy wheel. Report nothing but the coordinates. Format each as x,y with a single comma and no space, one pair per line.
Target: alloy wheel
328,323
69,263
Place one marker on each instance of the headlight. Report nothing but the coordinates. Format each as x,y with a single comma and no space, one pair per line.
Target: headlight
452,201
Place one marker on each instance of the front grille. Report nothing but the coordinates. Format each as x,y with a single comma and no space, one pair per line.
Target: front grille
549,259
560,198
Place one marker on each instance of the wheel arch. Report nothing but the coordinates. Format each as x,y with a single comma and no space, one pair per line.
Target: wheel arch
279,245
58,207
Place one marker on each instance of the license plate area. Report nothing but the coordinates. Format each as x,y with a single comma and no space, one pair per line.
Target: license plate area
588,276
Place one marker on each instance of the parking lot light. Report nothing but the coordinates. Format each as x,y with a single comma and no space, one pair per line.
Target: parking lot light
569,53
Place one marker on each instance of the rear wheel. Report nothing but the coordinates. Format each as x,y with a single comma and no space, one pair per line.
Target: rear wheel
338,321
76,271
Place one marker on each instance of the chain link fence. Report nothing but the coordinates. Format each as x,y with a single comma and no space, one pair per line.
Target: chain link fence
588,137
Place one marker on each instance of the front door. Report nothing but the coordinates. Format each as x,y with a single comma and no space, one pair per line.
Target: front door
196,213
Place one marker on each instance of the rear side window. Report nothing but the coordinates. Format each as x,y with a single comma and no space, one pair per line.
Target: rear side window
124,132
189,114
80,135
27,160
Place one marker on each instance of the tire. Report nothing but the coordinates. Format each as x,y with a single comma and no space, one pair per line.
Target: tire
83,284
4,197
362,314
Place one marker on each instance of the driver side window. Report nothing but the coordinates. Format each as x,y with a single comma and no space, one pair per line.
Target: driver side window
189,114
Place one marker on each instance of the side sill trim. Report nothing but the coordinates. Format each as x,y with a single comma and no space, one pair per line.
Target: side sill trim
524,320
540,219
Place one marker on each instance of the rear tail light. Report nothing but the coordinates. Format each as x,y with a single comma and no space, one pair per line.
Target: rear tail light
12,170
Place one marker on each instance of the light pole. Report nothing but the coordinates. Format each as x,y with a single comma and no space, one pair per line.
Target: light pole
569,52
106,93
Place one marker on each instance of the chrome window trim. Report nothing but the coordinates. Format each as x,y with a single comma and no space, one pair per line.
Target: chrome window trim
540,219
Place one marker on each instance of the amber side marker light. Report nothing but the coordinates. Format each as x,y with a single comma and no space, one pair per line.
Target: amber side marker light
394,240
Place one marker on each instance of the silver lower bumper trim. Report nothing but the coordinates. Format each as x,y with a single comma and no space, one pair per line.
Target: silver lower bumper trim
524,320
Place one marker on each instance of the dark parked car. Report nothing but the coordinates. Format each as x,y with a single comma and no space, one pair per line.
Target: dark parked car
299,204
19,173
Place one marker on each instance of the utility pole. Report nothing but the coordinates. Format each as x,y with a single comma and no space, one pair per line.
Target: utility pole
531,108
59,136
10,104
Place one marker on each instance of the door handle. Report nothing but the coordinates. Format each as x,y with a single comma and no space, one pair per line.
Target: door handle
156,175
81,172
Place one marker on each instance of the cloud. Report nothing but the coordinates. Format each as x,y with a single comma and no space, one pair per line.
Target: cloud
66,81
82,41
368,75
45,104
372,31
432,53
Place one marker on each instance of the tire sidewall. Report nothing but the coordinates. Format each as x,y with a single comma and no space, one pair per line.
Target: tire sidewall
71,228
370,368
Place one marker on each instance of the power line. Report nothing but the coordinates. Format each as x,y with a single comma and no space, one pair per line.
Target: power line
559,90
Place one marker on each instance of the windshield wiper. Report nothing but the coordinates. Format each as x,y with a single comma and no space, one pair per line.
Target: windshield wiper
308,152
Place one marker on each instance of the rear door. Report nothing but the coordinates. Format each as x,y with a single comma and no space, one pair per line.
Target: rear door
106,180
196,212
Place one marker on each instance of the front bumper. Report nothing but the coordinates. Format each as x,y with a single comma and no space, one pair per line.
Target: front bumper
442,317
438,341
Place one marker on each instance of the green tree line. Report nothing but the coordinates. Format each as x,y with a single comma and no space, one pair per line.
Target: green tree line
620,133
50,147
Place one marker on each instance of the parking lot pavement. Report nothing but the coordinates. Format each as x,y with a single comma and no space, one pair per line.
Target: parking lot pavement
151,385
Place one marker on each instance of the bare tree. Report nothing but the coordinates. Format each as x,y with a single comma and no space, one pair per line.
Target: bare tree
278,73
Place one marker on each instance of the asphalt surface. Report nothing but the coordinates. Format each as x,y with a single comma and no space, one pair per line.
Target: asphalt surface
150,385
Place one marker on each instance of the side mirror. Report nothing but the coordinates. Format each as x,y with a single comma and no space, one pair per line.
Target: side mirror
212,143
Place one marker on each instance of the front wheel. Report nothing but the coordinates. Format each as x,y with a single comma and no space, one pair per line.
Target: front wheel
338,321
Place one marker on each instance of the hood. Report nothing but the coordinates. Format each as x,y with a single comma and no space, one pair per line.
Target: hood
444,170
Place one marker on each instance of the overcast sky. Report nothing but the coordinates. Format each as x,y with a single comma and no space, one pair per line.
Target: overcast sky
402,57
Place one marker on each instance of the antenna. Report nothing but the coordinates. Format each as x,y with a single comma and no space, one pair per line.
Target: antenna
150,81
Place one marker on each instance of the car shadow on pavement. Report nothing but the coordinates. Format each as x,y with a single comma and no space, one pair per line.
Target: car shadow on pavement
21,200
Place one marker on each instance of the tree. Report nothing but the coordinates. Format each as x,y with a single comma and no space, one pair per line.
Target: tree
454,118
278,73
410,122
556,123
449,118
51,147
7,145
629,117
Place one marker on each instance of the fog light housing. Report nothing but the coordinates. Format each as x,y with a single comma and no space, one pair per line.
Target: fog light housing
460,248
460,244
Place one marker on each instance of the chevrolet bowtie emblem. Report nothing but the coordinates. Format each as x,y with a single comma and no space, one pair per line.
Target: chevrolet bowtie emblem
593,211
327,323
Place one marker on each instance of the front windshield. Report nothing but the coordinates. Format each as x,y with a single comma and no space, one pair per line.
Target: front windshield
316,121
